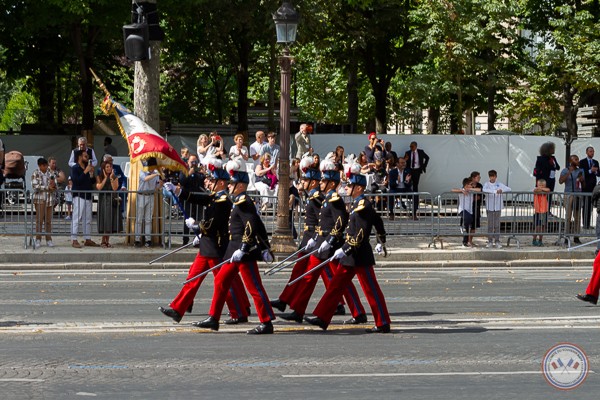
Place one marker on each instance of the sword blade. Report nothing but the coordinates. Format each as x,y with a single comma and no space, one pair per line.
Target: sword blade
310,271
200,275
584,244
172,252
294,261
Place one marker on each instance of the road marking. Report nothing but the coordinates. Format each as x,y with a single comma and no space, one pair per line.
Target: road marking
410,374
21,380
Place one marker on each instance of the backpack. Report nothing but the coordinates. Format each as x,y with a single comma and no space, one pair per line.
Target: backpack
14,165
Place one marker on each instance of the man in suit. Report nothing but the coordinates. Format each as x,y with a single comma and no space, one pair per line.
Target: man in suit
417,161
590,172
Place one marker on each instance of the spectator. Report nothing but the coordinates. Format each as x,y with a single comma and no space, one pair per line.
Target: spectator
149,180
540,207
256,147
266,181
271,147
493,205
215,146
477,200
185,154
69,198
340,158
60,178
596,203
590,172
379,182
121,178
295,171
44,186
317,160
202,146
192,183
546,166
417,161
573,179
465,210
109,216
365,166
398,182
82,145
389,152
82,174
109,148
303,140
293,202
370,148
238,149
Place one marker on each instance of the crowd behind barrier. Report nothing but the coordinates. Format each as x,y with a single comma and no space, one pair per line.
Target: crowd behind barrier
437,218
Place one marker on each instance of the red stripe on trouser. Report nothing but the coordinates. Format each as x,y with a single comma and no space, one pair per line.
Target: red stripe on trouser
350,294
289,292
186,295
328,303
594,287
252,282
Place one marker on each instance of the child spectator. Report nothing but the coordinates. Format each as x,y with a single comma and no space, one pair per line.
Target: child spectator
477,200
540,206
465,210
493,206
69,198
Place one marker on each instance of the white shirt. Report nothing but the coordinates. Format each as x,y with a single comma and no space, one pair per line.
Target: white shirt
234,152
254,150
93,159
493,199
465,202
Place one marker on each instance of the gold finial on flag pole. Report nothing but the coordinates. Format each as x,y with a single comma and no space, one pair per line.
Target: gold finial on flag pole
100,83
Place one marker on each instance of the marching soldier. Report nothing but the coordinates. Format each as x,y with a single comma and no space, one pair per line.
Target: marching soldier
328,237
356,258
212,240
248,243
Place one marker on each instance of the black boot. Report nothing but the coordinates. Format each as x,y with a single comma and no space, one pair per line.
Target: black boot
588,298
169,312
293,316
379,329
235,321
316,321
278,304
340,310
264,328
359,319
208,323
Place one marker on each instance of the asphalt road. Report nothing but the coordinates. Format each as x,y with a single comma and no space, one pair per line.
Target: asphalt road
457,333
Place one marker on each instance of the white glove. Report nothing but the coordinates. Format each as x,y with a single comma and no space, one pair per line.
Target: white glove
190,223
324,247
237,255
169,187
379,248
266,256
311,244
196,241
339,253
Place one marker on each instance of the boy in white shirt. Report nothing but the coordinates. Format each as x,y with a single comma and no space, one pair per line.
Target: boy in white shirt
493,206
465,210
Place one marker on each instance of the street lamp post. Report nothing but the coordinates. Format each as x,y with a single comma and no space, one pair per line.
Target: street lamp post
286,23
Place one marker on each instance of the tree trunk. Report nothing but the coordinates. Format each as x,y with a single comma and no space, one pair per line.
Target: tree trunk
380,92
433,120
352,89
491,106
46,83
570,114
244,49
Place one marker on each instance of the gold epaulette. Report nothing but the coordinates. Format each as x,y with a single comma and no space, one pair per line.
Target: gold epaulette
241,199
221,198
314,196
360,205
334,197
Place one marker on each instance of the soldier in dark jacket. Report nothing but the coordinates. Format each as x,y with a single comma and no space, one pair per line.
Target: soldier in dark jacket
356,258
328,237
248,243
212,238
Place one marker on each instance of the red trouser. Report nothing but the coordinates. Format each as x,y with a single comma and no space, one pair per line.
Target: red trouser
252,281
237,299
343,276
289,292
308,283
594,286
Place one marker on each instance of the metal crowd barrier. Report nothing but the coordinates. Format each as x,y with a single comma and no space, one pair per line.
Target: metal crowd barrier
15,213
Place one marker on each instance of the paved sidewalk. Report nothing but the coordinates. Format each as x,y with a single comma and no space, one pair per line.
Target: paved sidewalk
404,252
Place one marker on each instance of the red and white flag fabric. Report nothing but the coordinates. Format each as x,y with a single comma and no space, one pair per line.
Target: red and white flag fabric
144,142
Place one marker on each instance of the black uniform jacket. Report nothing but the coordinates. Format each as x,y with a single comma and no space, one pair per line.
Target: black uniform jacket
311,215
246,230
333,219
357,248
214,227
